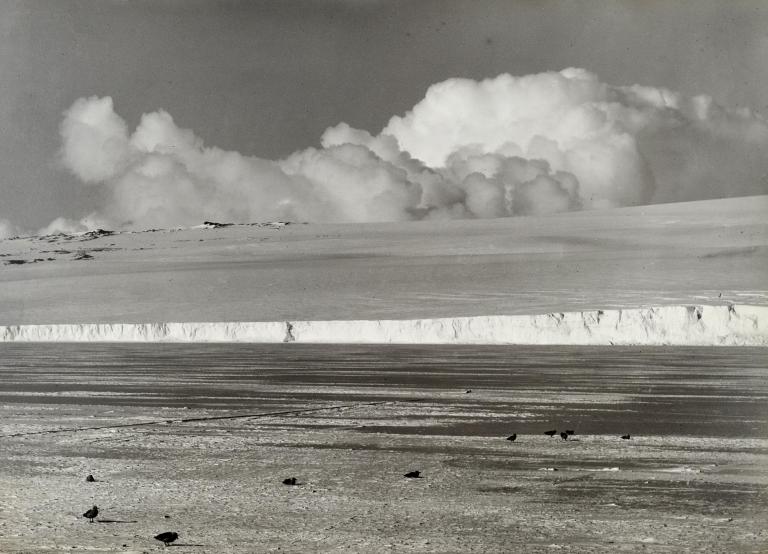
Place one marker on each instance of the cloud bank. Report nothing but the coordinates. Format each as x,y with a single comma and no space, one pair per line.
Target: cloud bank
500,147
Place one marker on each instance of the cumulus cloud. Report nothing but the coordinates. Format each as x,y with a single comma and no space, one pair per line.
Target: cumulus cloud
625,145
500,147
96,139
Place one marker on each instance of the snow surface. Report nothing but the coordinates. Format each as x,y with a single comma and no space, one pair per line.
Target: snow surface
732,325
688,273
711,252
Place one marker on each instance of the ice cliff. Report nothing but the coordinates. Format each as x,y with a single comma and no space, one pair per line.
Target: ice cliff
147,332
731,325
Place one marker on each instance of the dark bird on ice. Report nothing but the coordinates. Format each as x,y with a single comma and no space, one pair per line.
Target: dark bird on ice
512,437
468,391
90,479
564,436
626,437
289,481
551,433
92,513
413,475
167,538
570,432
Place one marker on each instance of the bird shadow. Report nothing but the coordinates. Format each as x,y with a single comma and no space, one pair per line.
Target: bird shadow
115,521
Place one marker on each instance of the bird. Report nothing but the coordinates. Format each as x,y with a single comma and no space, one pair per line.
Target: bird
626,437
564,436
468,391
289,481
92,513
512,437
90,479
167,538
551,433
413,475
570,432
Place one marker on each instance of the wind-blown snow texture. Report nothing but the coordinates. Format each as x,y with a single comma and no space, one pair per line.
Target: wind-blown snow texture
731,325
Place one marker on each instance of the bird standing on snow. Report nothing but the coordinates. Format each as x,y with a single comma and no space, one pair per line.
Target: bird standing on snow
413,475
564,436
512,437
92,513
289,481
167,538
551,433
90,479
626,437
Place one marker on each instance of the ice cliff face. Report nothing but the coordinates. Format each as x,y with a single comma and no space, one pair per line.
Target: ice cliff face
147,332
732,325
675,325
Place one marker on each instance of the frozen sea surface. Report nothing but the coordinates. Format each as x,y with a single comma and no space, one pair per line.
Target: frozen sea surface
226,423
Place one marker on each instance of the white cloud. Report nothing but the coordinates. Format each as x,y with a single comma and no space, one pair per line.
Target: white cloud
499,147
95,140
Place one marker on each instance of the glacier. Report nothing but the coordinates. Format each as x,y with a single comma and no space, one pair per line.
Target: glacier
700,325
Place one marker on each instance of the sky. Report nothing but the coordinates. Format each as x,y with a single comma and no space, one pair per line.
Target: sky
265,80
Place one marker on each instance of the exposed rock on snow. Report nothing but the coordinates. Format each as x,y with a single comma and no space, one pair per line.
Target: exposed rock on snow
96,233
731,325
212,225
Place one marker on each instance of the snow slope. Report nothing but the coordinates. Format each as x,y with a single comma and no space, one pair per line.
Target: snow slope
732,325
711,252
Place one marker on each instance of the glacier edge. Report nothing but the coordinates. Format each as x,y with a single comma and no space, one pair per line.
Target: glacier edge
683,325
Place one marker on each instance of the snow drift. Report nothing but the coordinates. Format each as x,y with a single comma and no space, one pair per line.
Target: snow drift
731,325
